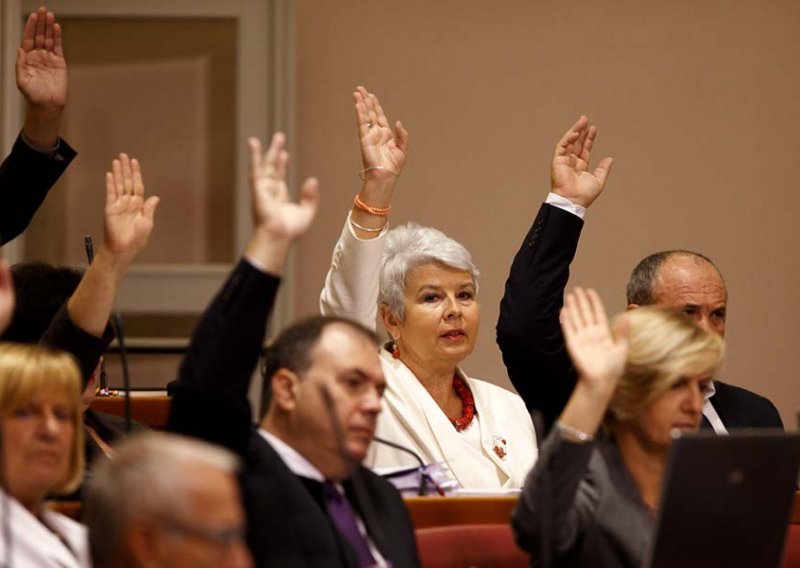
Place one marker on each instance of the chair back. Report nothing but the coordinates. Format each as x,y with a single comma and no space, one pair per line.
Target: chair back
461,546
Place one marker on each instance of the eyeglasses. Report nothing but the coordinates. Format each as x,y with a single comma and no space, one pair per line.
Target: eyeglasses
224,537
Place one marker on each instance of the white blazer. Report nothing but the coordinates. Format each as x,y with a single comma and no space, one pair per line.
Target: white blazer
34,544
496,451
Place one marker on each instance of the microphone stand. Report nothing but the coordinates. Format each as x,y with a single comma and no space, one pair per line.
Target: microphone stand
424,477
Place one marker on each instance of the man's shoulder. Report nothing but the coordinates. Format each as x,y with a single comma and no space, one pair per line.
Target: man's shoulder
740,407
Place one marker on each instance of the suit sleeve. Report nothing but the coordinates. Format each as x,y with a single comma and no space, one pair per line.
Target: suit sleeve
559,500
528,330
86,348
351,286
210,396
25,178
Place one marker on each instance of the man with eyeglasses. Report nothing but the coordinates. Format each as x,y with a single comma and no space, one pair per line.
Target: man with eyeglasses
166,500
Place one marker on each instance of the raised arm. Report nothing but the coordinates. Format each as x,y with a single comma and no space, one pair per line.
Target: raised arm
38,157
560,499
528,330
82,328
42,78
210,399
351,286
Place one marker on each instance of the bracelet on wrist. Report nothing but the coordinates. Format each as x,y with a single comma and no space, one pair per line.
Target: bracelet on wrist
377,211
362,174
368,230
578,435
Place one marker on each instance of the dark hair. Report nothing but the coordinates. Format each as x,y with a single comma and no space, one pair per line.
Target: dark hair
641,284
41,289
292,348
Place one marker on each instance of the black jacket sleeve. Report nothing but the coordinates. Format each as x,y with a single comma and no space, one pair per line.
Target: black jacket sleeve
528,330
25,178
210,395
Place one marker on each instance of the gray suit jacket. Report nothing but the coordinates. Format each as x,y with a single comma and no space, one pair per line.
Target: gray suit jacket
581,500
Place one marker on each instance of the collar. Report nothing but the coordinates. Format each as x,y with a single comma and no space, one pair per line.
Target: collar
294,460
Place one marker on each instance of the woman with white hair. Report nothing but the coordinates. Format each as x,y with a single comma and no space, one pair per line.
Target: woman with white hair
426,288
592,497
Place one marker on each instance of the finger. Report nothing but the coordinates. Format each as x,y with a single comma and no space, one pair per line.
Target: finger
603,169
369,103
38,36
586,312
271,157
362,116
573,311
589,142
254,147
138,183
580,141
127,174
570,136
111,190
379,114
28,32
596,305
48,31
149,208
116,168
58,48
281,167
401,137
309,196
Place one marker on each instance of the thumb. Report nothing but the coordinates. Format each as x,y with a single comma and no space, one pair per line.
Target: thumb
603,169
149,208
309,195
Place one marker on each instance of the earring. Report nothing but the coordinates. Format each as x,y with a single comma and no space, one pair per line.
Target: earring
395,349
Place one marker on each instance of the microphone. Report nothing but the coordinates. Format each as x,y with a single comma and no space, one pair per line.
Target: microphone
89,246
123,358
330,408
424,477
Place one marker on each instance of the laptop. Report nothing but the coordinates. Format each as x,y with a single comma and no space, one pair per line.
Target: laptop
726,500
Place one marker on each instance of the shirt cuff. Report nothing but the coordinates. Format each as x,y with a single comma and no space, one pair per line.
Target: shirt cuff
49,152
565,204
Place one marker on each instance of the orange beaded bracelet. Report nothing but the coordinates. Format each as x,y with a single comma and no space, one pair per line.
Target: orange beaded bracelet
378,211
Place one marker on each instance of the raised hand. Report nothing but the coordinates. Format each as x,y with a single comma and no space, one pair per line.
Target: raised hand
598,356
273,213
128,216
569,173
41,67
383,152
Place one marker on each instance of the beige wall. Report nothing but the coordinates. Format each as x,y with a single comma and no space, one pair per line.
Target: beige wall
696,101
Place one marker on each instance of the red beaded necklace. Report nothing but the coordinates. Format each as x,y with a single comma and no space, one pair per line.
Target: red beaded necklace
467,402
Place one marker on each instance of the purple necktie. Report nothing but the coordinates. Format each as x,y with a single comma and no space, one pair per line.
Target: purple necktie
342,514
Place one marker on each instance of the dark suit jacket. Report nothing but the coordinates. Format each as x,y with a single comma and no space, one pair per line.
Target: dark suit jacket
287,521
530,338
25,178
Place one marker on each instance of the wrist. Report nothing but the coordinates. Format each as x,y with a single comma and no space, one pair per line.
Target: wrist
42,125
113,262
268,251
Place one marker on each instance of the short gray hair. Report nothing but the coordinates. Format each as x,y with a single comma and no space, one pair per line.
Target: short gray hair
412,245
143,479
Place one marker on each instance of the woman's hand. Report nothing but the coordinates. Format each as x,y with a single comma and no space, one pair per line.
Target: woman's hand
383,152
598,356
569,172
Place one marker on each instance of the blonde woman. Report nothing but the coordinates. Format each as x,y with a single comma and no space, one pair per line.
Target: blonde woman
592,496
42,441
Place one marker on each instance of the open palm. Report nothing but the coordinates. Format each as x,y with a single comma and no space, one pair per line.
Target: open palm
129,217
41,68
273,212
569,173
383,154
598,356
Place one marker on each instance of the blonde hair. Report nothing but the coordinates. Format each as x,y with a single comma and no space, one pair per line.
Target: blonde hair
27,370
663,346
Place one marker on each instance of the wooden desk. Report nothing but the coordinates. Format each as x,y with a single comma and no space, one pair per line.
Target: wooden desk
443,511
152,410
